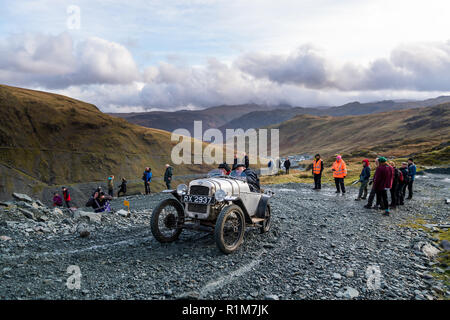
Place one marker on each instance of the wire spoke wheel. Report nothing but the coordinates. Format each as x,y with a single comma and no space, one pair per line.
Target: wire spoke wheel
166,221
230,229
267,220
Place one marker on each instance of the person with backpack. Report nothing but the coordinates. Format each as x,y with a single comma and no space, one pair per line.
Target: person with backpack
364,178
403,183
66,196
122,188
411,176
396,176
147,178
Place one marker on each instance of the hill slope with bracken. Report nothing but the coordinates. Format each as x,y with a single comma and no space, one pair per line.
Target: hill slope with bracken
48,139
394,133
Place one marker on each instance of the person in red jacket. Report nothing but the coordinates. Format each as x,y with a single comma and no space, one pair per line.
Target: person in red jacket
382,182
66,196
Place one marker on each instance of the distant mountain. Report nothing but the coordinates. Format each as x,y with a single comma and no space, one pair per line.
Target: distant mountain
213,117
399,132
263,118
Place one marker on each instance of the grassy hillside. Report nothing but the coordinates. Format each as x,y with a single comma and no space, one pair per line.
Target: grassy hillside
395,133
49,139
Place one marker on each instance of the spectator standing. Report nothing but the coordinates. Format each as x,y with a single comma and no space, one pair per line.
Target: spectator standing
317,169
411,176
364,178
382,182
147,177
66,196
339,169
287,165
122,187
111,185
168,175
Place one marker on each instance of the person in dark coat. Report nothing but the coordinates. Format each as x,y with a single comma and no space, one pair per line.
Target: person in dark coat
364,178
147,177
373,192
168,175
411,176
287,165
403,184
396,175
382,182
99,201
252,177
57,200
122,187
317,169
66,196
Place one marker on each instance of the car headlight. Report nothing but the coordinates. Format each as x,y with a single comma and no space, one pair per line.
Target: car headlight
220,195
182,189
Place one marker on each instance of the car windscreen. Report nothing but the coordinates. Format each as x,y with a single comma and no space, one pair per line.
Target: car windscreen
237,175
215,173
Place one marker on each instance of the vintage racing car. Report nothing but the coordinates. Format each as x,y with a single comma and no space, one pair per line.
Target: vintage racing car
220,204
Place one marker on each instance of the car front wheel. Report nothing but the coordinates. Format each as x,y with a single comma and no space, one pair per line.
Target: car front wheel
166,221
230,228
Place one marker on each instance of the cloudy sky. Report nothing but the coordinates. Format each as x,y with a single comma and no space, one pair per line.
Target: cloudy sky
167,55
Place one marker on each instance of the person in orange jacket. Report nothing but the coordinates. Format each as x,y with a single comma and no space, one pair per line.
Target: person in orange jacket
339,172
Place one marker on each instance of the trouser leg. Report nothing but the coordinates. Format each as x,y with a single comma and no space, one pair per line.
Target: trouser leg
336,182
410,189
341,181
371,197
365,189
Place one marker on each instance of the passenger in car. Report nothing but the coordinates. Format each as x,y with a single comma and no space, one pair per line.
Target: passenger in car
252,177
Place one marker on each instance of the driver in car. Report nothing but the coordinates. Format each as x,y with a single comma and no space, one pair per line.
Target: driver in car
225,168
252,177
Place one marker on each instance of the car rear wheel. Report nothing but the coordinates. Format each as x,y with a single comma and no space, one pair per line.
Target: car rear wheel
230,228
267,220
166,221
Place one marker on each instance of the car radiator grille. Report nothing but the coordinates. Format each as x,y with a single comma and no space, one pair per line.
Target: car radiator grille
202,191
199,190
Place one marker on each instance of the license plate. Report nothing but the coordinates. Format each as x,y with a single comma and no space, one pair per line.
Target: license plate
191,198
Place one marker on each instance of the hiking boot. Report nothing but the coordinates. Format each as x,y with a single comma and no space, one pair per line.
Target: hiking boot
386,213
363,198
367,206
358,199
337,192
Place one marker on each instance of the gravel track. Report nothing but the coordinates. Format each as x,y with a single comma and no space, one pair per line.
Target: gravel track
321,246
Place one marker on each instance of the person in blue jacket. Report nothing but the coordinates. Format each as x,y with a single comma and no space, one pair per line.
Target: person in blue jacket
147,177
364,180
411,175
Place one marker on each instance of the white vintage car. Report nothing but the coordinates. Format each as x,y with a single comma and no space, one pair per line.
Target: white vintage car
220,204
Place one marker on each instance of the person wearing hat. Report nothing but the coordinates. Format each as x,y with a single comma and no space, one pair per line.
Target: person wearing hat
364,180
403,183
382,182
317,169
339,169
252,177
111,185
225,168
